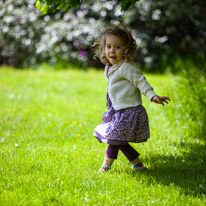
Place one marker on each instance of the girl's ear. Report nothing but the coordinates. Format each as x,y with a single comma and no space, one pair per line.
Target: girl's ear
126,51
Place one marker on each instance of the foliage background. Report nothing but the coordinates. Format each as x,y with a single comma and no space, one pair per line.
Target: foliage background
165,31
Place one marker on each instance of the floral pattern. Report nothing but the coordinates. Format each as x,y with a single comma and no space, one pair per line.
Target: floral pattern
130,124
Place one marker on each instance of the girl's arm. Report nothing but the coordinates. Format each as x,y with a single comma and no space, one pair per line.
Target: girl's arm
136,77
160,99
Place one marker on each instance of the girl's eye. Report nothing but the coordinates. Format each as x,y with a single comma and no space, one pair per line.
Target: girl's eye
116,47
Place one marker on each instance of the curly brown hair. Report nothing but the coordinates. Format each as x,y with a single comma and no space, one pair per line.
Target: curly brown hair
129,44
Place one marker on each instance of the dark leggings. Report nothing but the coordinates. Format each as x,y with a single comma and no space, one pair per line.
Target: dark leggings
130,153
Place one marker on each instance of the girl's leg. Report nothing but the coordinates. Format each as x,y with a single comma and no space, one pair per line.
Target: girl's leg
111,155
112,151
132,155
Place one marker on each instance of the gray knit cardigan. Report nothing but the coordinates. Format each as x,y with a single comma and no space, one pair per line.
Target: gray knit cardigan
125,85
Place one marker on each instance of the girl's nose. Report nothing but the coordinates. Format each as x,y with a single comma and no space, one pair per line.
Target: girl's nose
112,49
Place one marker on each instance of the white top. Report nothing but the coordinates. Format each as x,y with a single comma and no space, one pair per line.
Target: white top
125,85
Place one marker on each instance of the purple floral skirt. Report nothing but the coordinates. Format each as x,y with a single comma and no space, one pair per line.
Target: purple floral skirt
122,126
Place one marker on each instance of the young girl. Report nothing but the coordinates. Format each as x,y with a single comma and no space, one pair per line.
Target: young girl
126,119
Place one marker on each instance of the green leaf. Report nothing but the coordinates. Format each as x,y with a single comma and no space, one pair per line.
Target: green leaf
60,6
44,9
125,5
67,7
51,2
38,4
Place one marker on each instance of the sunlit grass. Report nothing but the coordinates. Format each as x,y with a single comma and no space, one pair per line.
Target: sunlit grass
49,156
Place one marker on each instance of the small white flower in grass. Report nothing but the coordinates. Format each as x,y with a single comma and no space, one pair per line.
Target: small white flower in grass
86,199
16,145
12,96
3,139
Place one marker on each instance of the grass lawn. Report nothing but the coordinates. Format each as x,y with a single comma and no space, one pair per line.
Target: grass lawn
48,155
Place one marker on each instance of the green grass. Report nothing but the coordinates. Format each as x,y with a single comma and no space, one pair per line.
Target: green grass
49,156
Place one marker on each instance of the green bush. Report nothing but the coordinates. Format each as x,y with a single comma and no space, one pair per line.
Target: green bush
188,108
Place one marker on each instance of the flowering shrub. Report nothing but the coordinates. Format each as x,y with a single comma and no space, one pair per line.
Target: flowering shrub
28,38
21,28
163,31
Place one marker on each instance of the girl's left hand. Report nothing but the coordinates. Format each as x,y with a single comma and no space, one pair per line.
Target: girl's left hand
160,99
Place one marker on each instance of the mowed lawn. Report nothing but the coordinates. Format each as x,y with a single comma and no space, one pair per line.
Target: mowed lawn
48,155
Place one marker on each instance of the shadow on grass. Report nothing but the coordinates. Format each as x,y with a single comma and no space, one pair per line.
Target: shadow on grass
187,172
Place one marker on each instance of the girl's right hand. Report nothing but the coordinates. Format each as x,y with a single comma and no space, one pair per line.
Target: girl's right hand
160,99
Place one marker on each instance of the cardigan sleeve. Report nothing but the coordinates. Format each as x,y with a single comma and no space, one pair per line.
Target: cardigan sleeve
105,71
136,77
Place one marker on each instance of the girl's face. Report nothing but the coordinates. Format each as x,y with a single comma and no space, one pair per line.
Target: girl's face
114,49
